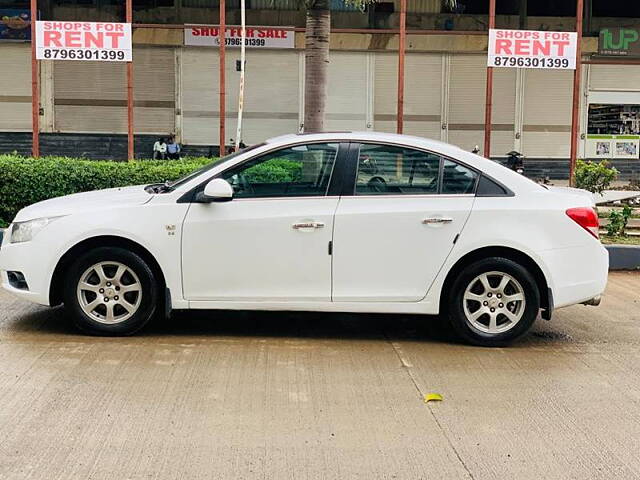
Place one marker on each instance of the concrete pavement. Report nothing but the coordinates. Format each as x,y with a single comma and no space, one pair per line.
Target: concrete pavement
314,396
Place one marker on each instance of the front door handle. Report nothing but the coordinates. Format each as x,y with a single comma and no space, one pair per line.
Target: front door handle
436,220
307,225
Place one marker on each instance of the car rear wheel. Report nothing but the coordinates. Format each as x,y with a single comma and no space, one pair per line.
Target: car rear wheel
110,291
494,301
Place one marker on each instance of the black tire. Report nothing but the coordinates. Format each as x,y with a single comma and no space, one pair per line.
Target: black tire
464,327
148,292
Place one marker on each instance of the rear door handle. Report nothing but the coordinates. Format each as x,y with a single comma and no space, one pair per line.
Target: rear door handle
307,225
436,220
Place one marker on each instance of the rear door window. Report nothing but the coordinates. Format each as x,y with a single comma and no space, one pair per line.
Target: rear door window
392,170
457,179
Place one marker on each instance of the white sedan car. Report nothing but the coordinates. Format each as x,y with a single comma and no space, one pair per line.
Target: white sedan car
335,222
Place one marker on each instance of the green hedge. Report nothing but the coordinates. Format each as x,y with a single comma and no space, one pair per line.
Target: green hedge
24,181
276,170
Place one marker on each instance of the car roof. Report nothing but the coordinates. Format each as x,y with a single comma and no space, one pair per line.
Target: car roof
382,137
357,135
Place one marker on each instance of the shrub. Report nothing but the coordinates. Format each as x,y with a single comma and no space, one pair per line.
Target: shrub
594,176
24,181
277,170
618,220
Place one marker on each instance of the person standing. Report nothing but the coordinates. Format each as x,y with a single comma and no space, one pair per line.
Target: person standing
160,149
173,148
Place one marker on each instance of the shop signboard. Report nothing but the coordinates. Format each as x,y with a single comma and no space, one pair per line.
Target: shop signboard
256,37
15,24
532,49
619,42
613,146
108,42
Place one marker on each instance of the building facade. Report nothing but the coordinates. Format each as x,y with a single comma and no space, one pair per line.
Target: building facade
176,91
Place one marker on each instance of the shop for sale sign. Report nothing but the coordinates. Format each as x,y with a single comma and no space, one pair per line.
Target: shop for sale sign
109,42
532,49
256,37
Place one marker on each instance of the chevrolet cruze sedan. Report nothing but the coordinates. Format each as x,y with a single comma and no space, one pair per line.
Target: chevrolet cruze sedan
335,222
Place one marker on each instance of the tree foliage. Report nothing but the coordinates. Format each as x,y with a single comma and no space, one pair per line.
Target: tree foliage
595,177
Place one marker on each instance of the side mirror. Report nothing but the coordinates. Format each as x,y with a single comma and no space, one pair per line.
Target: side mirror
217,190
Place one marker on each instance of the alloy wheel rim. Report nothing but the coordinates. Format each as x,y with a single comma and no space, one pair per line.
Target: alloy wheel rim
494,302
109,292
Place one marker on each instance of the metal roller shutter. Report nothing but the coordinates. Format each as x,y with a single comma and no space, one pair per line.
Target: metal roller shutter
422,94
467,89
199,96
467,80
546,131
154,77
615,77
504,111
15,88
347,91
91,96
271,95
384,102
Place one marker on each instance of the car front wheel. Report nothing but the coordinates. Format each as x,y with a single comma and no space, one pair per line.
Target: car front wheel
493,302
110,291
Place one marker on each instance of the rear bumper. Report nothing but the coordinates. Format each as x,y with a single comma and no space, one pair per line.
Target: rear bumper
577,274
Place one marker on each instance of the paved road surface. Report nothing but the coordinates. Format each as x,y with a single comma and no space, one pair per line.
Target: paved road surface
309,396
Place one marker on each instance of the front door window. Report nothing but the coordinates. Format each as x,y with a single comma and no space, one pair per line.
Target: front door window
298,171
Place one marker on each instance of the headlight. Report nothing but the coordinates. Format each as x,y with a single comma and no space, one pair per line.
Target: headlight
25,231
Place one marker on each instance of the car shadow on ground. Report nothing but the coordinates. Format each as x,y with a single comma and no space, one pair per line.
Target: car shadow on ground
297,325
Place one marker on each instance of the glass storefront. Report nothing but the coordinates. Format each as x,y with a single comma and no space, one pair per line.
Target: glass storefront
613,131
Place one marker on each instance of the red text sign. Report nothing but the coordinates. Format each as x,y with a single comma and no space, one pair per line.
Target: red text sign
83,41
532,49
256,37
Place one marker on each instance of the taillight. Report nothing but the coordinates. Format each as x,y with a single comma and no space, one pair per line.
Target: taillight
587,218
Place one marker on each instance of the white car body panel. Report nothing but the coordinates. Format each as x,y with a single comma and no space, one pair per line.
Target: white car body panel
247,242
381,239
145,225
380,262
82,202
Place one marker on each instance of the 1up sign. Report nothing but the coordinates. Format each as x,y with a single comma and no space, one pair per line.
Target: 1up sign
623,42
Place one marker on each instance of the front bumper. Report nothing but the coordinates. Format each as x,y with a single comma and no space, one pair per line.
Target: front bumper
30,259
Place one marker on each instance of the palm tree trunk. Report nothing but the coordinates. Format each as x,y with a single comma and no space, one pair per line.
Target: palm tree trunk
316,64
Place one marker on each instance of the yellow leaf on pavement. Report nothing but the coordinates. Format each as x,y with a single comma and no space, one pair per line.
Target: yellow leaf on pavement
432,397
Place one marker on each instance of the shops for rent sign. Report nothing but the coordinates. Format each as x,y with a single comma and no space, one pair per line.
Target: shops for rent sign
109,42
532,49
256,37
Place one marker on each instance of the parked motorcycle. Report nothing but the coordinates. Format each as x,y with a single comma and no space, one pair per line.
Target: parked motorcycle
515,162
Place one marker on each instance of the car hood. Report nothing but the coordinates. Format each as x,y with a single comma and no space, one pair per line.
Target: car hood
80,202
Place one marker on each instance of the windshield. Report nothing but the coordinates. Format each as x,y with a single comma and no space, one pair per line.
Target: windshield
215,163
